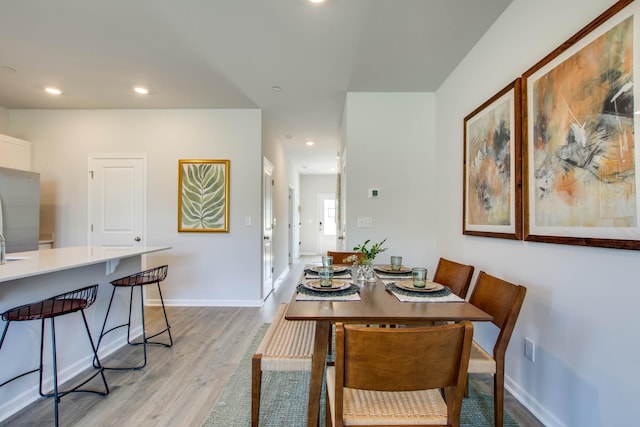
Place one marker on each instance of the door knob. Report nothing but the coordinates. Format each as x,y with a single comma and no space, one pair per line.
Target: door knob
137,238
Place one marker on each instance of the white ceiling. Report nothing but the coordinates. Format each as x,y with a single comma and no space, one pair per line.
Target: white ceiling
230,53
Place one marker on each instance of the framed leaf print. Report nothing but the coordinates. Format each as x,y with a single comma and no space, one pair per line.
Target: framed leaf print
203,195
492,167
580,160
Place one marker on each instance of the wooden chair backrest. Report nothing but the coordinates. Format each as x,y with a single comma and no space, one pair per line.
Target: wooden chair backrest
502,300
339,258
454,275
396,359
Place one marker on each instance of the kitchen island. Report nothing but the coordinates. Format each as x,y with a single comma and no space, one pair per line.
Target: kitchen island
31,276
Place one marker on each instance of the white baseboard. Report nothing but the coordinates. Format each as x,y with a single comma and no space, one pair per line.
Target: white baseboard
280,278
205,303
529,402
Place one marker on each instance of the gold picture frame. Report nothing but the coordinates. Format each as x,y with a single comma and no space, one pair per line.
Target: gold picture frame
203,195
492,188
581,184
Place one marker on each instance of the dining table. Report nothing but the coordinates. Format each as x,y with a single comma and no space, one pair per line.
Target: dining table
383,302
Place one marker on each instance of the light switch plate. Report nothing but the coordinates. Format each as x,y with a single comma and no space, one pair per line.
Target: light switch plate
530,349
364,222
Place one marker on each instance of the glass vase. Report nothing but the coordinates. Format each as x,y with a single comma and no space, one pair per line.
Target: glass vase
369,274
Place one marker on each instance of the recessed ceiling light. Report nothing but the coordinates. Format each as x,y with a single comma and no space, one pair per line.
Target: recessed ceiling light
141,90
9,69
317,1
276,88
53,90
309,143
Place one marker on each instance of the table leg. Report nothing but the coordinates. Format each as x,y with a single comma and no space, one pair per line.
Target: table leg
318,363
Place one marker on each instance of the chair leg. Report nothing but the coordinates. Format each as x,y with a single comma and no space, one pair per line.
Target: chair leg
498,396
144,333
256,385
4,333
56,398
95,356
41,368
166,322
96,363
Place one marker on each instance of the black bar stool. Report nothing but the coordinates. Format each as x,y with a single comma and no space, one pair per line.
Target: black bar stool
147,277
51,308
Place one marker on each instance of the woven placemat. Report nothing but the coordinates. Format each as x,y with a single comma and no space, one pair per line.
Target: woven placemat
392,273
346,272
441,293
352,289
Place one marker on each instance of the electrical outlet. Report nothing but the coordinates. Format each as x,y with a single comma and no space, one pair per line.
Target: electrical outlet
530,349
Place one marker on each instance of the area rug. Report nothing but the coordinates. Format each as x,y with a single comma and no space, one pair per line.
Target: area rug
284,399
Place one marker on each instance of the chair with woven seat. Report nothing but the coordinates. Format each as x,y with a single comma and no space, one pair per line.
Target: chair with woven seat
398,376
454,275
287,346
148,277
50,308
502,300
340,258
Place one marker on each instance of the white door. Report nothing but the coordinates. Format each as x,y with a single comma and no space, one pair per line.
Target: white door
117,200
326,205
267,228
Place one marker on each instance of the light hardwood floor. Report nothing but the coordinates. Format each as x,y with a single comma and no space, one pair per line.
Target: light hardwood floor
180,385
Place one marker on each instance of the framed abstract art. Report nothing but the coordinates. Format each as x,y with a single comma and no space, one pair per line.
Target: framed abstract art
492,205
580,162
203,195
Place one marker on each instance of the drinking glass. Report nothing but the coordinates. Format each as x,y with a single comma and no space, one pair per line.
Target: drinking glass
396,263
326,276
419,277
327,261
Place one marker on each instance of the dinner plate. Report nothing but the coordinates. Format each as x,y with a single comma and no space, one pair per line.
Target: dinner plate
336,285
431,286
336,268
388,269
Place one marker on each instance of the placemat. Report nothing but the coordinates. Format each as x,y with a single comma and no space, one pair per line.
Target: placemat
352,293
309,272
444,295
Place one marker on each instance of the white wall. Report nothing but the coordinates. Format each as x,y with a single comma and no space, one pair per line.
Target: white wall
4,120
390,140
205,268
582,303
310,186
274,152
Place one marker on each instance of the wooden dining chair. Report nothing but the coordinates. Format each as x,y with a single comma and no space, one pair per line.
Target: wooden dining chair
502,300
454,275
398,376
340,258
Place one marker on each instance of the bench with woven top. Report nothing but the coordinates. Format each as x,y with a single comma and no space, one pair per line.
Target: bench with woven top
287,346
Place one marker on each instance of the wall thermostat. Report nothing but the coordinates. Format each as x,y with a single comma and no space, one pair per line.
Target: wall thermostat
374,193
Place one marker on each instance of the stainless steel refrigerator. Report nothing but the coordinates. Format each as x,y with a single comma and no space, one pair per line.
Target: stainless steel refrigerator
20,209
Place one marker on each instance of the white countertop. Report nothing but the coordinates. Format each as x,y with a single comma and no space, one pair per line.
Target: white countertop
33,263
